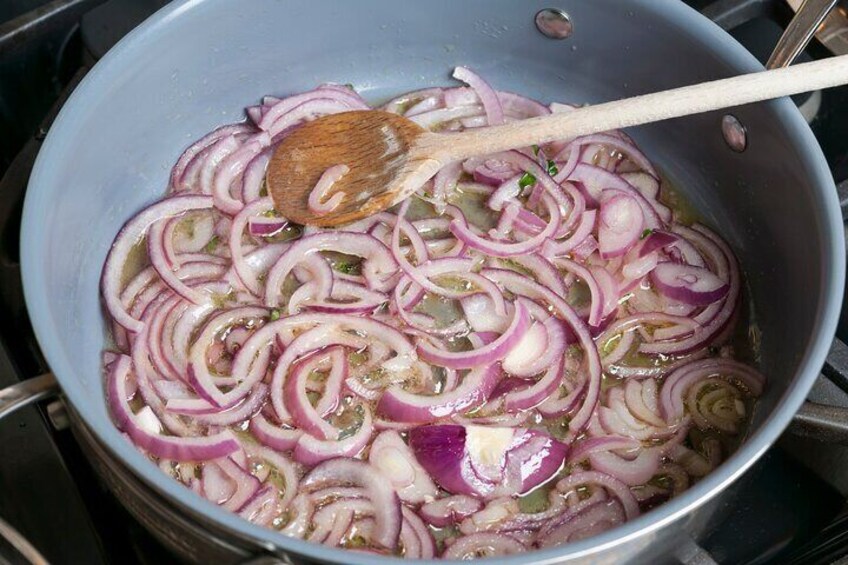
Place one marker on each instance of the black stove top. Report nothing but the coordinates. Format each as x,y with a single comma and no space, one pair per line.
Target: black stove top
793,512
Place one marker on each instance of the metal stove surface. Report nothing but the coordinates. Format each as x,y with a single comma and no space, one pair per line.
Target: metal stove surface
794,511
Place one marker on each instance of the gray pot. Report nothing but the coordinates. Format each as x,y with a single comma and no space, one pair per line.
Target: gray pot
197,63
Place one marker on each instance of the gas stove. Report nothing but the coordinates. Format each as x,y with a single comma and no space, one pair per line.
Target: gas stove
794,510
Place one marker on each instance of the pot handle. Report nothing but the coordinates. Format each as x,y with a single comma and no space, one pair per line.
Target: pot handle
799,32
26,392
822,422
13,397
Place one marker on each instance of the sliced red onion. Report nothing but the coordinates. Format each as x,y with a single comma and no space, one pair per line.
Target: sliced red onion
695,463
239,413
591,445
589,522
657,240
282,115
415,537
581,234
232,167
716,405
692,285
538,392
187,241
129,235
263,507
443,115
543,271
631,472
390,454
483,545
487,354
594,180
677,384
246,484
487,95
530,347
209,166
611,484
199,375
475,388
507,191
480,312
246,275
522,285
379,261
343,471
342,99
642,400
307,417
646,183
253,179
286,469
493,173
319,202
617,418
450,509
444,183
620,144
619,225
715,317
460,228
178,173
266,226
166,447
311,450
600,300
397,105
486,461
424,105
275,437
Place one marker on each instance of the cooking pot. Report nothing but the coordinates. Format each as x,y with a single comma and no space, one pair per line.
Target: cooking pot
197,63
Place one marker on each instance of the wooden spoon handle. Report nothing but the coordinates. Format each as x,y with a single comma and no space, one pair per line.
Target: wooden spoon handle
647,108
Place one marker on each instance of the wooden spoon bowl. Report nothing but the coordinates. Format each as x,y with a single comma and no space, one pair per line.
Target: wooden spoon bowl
375,145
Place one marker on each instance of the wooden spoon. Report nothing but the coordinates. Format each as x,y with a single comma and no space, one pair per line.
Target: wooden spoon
390,156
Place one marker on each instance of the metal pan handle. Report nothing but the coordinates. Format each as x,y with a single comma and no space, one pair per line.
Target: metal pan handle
12,398
26,392
822,422
799,32
827,422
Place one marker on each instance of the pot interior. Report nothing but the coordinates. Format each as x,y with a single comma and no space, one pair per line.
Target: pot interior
197,64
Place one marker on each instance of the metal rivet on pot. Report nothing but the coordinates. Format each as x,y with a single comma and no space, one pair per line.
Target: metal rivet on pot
735,134
554,23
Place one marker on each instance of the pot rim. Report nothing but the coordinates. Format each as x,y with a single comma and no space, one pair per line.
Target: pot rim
706,489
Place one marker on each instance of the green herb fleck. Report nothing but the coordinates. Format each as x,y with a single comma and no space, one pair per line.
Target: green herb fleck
212,245
646,233
275,315
347,268
552,168
535,501
535,150
526,180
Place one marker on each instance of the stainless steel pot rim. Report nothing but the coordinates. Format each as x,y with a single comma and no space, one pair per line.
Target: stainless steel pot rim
33,236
